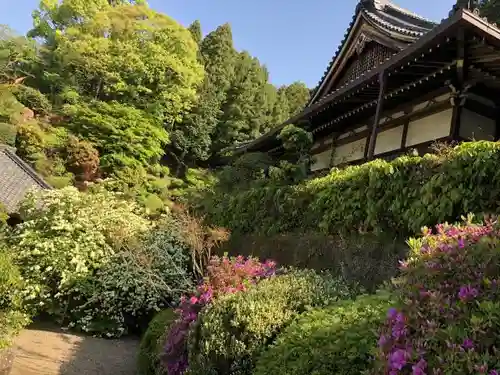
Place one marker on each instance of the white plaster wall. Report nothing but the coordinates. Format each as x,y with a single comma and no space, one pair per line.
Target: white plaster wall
429,128
389,140
321,160
349,152
477,127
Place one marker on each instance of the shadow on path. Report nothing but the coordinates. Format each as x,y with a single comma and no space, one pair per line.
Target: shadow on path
44,349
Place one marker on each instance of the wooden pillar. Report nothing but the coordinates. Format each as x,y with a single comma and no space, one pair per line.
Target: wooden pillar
405,134
335,137
372,139
461,76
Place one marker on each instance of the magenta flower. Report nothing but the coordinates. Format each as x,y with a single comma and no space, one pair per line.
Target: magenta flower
419,368
468,344
392,313
398,359
467,293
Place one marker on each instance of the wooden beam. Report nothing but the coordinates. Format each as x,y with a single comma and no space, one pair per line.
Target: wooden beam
372,140
461,76
405,133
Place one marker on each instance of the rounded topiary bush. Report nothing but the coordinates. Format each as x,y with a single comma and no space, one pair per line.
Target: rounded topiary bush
231,332
448,319
148,360
339,339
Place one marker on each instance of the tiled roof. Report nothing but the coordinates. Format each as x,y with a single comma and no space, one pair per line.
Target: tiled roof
16,179
398,22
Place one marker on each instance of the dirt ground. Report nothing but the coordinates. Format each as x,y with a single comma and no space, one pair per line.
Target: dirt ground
45,350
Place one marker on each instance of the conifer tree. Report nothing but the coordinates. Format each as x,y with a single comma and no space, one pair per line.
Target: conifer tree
195,30
192,138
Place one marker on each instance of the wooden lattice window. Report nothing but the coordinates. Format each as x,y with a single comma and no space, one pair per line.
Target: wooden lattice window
370,57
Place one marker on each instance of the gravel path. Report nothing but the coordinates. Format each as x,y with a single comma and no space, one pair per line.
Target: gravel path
51,351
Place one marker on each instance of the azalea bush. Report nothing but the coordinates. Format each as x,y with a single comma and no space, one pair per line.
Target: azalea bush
448,321
230,333
224,275
93,262
339,339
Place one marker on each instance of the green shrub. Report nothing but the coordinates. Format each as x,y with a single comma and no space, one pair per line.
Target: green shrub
340,339
33,99
8,134
400,196
365,258
94,263
148,361
140,278
230,333
12,316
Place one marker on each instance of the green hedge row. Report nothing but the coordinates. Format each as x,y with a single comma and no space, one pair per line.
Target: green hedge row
401,195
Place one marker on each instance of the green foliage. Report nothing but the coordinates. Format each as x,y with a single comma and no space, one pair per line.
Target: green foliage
297,96
10,109
148,361
8,134
65,238
195,30
33,99
247,170
3,217
231,332
365,258
192,139
125,137
12,316
296,140
339,339
16,55
402,195
490,9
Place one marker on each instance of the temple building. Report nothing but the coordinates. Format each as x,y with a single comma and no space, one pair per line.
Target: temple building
400,82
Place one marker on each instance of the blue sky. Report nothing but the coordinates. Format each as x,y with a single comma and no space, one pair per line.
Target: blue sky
294,38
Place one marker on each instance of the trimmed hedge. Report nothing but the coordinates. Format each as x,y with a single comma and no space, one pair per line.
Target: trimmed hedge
339,339
402,195
148,360
231,332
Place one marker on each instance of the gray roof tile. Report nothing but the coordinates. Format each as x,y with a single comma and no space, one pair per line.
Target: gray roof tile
16,179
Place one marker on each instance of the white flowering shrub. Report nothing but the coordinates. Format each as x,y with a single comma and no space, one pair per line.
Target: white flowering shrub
141,279
92,261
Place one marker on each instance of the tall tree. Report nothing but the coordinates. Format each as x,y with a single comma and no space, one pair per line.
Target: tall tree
117,72
191,138
297,95
242,106
195,30
17,54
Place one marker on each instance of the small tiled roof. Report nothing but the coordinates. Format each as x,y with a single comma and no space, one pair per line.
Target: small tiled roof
388,17
16,179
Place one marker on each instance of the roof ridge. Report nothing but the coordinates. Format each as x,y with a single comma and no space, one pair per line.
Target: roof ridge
363,6
409,13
